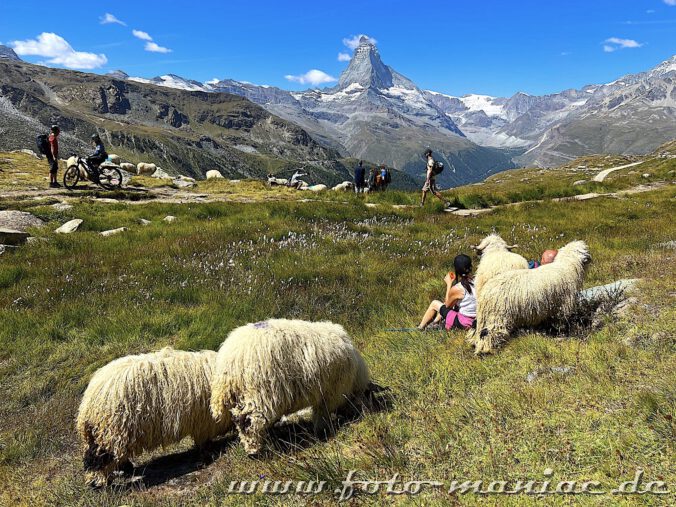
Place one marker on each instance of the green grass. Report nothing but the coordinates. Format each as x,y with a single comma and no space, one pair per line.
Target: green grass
70,304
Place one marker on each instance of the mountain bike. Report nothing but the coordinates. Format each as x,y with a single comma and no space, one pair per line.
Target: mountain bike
107,177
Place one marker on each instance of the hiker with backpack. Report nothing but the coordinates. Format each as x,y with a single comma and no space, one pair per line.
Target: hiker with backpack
434,168
48,145
385,176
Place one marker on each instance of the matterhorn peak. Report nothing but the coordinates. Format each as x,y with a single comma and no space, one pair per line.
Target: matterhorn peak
366,68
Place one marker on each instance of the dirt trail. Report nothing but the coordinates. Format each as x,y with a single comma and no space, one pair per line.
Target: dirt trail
602,175
137,195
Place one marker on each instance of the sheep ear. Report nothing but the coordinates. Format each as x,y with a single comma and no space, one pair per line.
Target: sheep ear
512,247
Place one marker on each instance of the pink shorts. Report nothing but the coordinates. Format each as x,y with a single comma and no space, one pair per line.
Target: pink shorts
458,320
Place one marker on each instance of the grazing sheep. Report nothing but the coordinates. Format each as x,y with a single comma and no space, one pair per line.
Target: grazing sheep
114,159
272,181
213,174
146,169
274,368
345,186
529,297
496,258
138,403
126,166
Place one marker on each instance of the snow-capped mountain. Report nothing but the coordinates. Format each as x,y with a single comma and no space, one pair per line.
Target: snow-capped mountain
558,127
377,114
632,115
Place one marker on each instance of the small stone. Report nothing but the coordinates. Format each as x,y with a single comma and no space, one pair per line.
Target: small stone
112,232
13,237
169,218
143,221
183,183
579,182
61,206
645,175
69,227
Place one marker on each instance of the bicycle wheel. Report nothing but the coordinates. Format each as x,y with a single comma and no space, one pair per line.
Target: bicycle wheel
71,177
110,178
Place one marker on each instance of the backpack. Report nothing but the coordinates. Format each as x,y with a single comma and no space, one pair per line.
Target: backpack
437,168
43,144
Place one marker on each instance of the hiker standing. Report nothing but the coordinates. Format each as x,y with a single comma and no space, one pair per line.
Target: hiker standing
430,180
52,154
372,179
359,174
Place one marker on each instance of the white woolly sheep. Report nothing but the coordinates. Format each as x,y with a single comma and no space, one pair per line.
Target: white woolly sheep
277,181
145,168
126,166
345,186
274,368
141,402
72,161
529,297
496,258
114,159
213,174
316,188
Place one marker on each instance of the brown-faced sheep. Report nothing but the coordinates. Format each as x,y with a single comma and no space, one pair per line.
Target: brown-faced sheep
529,297
496,258
274,368
138,403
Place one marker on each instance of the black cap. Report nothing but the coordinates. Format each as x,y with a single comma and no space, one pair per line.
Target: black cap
462,264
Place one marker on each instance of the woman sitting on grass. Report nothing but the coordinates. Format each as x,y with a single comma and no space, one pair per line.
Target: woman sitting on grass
459,307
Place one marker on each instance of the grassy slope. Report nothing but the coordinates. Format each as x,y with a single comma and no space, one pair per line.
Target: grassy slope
73,303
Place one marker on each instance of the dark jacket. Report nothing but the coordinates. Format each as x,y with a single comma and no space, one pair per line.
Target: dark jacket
359,176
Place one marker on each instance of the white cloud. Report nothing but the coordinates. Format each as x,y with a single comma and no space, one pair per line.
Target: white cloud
344,57
353,41
615,43
312,77
141,35
212,81
670,2
154,48
108,19
58,52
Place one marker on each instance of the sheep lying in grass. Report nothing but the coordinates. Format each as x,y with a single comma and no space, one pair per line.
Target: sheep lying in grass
529,297
496,258
143,168
138,403
345,186
270,369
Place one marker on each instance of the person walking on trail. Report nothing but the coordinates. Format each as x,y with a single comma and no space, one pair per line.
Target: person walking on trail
430,181
52,155
359,174
458,310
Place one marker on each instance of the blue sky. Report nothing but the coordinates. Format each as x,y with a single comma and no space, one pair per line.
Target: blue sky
456,47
